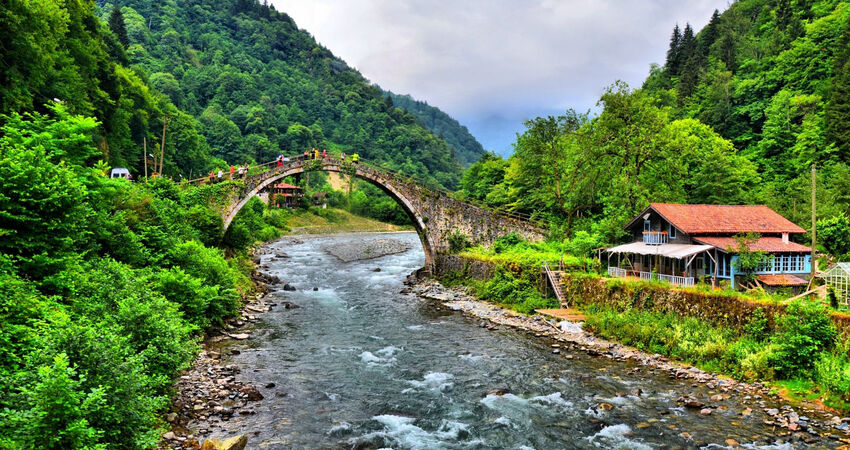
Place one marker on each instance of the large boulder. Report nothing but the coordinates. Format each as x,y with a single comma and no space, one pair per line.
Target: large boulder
234,443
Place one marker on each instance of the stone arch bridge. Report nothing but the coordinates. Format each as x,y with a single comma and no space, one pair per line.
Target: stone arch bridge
434,214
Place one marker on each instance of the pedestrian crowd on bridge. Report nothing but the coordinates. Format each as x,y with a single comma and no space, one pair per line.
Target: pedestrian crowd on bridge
241,171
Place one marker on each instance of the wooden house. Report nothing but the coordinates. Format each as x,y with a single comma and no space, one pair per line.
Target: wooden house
682,244
286,195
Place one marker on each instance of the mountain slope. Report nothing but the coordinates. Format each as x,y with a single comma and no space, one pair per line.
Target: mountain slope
467,149
260,86
772,76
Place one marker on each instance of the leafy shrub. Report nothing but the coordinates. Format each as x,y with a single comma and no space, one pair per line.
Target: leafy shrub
458,242
210,266
832,372
804,331
505,242
758,327
58,413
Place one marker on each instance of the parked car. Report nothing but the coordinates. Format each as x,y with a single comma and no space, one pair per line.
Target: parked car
120,172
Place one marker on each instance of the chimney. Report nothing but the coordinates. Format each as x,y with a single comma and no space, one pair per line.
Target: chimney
784,238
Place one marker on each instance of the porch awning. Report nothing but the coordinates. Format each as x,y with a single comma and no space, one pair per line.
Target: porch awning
677,251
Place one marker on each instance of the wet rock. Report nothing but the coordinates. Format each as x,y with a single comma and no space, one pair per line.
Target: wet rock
169,436
252,393
732,443
234,443
240,336
288,287
605,406
234,352
705,412
377,269
772,412
498,391
315,289
281,255
270,385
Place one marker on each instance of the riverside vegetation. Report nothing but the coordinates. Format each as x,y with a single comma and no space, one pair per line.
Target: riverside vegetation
797,346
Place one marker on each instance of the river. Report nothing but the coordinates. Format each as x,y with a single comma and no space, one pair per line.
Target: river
360,365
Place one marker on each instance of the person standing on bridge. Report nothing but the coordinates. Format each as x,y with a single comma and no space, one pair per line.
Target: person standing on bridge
355,158
342,156
306,154
315,153
212,176
324,153
232,171
241,171
280,161
220,173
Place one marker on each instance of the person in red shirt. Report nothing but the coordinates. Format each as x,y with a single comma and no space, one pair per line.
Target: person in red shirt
232,171
324,153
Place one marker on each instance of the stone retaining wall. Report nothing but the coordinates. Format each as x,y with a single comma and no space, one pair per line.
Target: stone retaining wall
715,309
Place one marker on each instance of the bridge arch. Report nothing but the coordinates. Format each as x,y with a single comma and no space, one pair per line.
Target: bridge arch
258,183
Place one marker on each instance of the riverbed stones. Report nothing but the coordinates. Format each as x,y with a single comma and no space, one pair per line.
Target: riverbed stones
360,250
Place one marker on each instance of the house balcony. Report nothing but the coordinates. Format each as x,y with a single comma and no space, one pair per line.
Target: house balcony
616,272
655,237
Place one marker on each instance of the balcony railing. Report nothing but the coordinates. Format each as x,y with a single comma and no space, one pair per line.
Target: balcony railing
672,279
616,272
654,237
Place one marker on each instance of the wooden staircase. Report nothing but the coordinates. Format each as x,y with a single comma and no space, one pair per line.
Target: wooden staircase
554,277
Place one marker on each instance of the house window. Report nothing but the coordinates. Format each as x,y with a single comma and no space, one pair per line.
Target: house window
647,226
672,230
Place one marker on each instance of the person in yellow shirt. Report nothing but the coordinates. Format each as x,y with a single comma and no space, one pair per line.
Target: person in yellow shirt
355,158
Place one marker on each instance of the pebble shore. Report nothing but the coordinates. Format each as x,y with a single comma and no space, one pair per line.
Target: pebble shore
800,423
361,250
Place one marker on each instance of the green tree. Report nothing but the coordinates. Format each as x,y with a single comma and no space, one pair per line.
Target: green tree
834,235
116,25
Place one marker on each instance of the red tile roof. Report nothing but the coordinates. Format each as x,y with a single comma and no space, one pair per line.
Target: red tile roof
285,186
703,219
767,244
782,280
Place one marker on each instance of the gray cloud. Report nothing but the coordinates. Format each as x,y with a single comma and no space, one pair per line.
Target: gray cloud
494,63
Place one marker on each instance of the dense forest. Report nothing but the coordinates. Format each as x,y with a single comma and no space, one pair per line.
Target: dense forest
466,148
738,113
235,81
106,285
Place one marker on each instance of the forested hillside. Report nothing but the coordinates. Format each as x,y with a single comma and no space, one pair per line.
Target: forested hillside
236,80
467,149
258,86
738,113
773,77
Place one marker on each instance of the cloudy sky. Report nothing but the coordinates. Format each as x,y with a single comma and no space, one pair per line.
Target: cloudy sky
492,64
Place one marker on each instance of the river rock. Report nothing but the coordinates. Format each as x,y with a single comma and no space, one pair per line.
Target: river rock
252,393
288,287
705,412
234,443
240,336
377,269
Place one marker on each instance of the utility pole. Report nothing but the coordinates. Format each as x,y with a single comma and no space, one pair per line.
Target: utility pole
814,221
145,154
165,118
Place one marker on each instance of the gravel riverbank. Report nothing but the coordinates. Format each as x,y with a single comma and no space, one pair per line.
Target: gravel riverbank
209,393
366,249
796,424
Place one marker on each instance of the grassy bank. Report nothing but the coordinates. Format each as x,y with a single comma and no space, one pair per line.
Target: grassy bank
335,220
804,355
